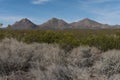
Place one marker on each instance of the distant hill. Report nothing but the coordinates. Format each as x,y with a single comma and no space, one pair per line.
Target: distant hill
88,24
23,24
55,23
59,24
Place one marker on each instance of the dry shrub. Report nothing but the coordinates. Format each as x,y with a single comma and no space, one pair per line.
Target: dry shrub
115,77
45,55
14,56
17,56
58,72
20,61
19,75
110,63
82,57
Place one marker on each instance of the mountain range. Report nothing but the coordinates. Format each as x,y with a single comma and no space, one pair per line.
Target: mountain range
59,24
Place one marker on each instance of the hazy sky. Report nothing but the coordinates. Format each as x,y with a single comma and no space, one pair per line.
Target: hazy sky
38,11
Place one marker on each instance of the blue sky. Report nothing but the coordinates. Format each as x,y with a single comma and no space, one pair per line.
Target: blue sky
39,11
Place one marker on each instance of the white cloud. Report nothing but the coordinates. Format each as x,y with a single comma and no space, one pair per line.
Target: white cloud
105,11
94,1
99,1
39,1
89,3
108,16
10,18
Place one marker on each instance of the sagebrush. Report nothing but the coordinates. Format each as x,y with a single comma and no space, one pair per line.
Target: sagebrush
21,61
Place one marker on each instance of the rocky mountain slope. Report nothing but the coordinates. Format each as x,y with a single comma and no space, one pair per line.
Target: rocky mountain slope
59,24
88,24
23,24
55,23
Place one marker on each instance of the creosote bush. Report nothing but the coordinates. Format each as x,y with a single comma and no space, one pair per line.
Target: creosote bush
68,39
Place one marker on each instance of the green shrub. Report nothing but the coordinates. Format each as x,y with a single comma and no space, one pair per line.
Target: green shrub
68,39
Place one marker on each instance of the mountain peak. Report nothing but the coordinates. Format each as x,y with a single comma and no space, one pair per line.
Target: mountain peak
24,24
88,20
25,20
55,23
87,23
54,18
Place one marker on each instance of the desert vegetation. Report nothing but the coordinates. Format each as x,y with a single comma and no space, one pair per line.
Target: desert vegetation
59,54
43,61
68,39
